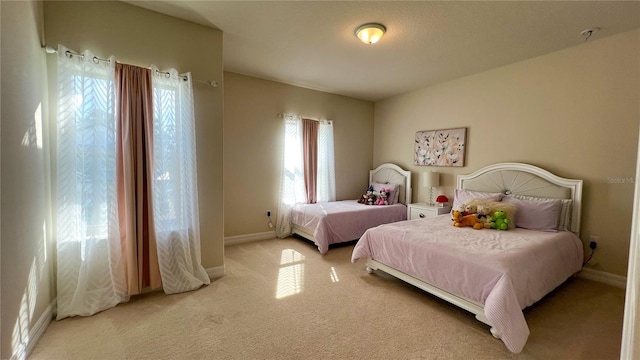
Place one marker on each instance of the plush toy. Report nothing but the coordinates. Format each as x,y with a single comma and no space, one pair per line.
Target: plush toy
460,220
382,199
371,198
364,199
483,216
468,209
499,220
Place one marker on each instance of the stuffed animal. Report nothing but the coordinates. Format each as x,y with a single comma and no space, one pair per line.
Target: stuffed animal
499,220
460,220
468,209
364,199
382,199
371,198
483,216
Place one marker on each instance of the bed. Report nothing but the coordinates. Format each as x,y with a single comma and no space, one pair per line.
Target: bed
337,222
491,273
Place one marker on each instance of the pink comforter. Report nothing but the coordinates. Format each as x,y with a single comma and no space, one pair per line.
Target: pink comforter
505,271
339,221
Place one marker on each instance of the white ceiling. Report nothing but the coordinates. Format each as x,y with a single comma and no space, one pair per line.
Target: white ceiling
312,44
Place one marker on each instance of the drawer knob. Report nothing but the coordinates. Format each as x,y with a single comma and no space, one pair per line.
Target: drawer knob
421,215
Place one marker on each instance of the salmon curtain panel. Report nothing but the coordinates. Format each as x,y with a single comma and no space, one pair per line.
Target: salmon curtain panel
134,160
310,157
126,204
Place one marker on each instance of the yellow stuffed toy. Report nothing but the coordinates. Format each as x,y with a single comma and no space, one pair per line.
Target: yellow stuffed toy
469,220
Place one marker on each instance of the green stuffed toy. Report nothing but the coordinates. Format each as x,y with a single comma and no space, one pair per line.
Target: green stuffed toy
499,220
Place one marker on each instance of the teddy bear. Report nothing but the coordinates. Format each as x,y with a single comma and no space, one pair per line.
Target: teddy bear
468,209
483,216
460,220
499,220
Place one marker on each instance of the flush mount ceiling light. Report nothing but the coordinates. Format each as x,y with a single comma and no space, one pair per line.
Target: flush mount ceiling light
370,33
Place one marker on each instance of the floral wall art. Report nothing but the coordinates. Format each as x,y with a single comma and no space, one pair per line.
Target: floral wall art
440,147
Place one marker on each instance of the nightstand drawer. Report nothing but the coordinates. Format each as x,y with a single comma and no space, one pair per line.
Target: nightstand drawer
424,211
421,213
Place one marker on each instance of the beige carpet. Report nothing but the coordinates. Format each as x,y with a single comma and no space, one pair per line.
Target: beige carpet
281,299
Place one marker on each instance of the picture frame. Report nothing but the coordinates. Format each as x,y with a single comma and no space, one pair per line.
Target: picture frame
445,147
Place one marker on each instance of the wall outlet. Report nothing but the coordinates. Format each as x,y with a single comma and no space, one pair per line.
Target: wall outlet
593,241
268,213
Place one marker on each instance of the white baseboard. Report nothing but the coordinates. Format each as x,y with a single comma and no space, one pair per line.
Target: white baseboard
24,350
239,239
603,277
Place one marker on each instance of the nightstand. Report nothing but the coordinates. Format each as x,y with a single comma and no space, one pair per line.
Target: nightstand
422,211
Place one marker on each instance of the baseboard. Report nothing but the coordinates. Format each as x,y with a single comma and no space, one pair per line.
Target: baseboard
239,239
35,333
603,277
215,272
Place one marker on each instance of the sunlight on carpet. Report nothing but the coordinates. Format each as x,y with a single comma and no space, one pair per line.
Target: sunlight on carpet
290,274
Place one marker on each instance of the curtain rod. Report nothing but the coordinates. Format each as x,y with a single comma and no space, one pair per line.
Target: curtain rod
281,115
69,53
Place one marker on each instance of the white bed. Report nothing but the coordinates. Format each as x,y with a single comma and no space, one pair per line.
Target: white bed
342,221
493,274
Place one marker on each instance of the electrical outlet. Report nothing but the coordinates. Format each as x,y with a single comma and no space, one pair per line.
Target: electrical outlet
268,213
593,241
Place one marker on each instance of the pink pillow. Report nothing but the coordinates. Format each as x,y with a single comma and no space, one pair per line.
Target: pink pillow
540,214
462,196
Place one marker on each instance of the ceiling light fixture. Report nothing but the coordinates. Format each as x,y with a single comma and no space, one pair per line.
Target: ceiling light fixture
370,33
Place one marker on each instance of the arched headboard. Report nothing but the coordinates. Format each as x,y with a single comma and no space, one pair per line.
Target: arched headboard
529,180
393,174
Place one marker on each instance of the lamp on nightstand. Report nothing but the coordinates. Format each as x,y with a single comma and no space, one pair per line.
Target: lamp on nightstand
441,200
430,180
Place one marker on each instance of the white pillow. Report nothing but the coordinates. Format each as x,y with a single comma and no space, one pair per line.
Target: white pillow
539,214
564,221
462,196
393,191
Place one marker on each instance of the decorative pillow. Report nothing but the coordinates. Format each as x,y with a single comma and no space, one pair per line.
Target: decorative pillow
393,190
564,221
462,196
540,214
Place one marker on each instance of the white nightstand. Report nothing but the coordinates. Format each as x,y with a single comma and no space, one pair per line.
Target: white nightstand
422,211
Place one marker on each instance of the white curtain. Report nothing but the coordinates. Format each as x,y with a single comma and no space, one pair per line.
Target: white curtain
175,190
326,181
292,190
90,275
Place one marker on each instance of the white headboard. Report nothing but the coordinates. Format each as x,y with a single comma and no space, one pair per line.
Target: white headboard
525,179
393,174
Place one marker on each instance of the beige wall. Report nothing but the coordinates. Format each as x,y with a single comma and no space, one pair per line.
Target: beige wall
142,37
573,112
26,257
253,145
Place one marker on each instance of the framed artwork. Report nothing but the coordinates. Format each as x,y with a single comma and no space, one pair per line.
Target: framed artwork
440,147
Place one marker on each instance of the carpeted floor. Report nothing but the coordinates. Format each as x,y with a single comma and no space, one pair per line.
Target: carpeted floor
281,299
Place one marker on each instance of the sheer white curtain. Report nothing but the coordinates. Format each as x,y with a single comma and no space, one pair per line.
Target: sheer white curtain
90,275
326,167
292,190
175,189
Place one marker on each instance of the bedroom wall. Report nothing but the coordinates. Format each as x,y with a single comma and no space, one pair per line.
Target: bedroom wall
142,37
26,269
573,112
253,145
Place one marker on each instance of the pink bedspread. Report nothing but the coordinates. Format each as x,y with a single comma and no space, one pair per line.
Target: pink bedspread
505,271
339,221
